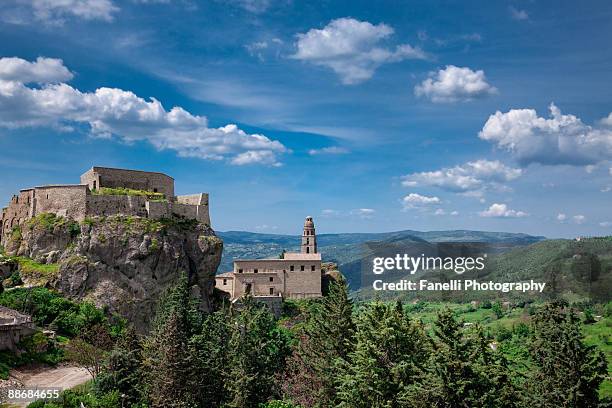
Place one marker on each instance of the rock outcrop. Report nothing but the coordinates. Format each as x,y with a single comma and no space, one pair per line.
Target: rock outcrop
123,263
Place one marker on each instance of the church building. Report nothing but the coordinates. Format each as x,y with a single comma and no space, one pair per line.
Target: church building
296,275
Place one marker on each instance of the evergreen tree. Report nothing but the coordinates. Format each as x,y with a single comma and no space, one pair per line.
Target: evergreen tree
463,371
324,344
390,352
122,370
258,349
166,361
209,353
567,373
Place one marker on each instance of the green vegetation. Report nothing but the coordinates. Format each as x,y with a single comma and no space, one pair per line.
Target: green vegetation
16,233
50,309
129,192
50,221
331,352
35,272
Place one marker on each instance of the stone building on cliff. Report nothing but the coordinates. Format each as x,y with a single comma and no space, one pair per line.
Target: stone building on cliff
94,196
297,275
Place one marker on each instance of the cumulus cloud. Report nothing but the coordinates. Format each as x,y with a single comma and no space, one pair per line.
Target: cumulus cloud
453,84
579,219
352,48
560,139
57,11
561,217
605,224
607,121
44,70
414,200
497,210
112,112
472,177
328,150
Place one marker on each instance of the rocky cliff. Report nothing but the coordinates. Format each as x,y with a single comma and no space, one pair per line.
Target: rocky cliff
124,263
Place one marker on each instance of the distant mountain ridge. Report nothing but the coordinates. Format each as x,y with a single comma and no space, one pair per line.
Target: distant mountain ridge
345,248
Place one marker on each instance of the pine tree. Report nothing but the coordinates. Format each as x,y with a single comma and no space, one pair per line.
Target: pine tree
390,352
122,370
209,353
463,370
323,346
258,349
166,361
568,372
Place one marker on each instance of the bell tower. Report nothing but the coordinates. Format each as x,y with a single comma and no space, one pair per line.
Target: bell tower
309,238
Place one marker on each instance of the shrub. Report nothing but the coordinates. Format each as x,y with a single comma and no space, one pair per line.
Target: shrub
129,192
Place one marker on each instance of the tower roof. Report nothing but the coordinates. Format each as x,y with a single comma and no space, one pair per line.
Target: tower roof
309,222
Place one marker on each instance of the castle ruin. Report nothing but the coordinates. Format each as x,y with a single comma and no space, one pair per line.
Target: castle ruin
78,201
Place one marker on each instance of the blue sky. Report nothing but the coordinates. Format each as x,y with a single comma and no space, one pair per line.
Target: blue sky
407,115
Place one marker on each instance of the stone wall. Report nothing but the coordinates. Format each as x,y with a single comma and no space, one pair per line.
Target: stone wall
296,283
306,284
19,210
103,205
98,177
261,284
66,201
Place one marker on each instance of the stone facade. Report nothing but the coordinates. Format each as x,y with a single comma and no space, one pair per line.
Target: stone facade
295,276
98,177
14,326
78,201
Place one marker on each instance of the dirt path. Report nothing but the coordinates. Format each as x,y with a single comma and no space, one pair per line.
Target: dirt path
62,377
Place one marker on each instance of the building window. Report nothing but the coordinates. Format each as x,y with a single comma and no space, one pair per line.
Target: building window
291,268
271,291
255,270
302,268
239,270
155,190
307,241
225,281
271,279
307,250
312,268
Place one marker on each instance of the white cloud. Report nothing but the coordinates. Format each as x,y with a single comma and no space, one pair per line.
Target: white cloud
112,112
351,48
605,224
414,200
56,11
561,217
579,219
364,213
518,14
328,150
453,84
562,139
439,211
606,189
454,213
471,177
44,70
607,121
502,211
